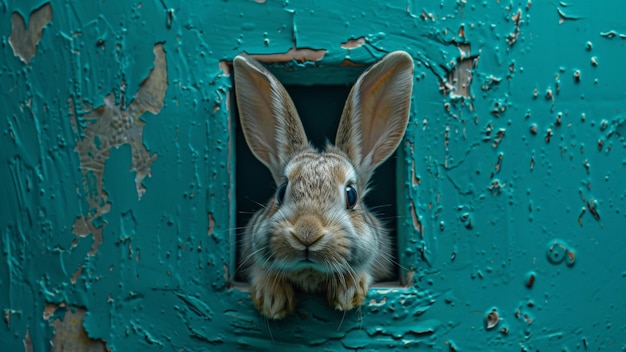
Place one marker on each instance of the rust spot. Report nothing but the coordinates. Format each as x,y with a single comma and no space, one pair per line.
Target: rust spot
591,205
499,136
512,37
527,319
427,16
496,188
580,216
499,162
530,281
492,319
548,135
559,119
570,259
211,224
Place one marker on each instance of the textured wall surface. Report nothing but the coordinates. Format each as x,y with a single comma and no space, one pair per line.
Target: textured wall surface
117,173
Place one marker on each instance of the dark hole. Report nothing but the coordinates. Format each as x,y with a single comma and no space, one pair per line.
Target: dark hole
320,109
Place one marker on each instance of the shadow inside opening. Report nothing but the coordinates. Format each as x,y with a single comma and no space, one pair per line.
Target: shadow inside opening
319,108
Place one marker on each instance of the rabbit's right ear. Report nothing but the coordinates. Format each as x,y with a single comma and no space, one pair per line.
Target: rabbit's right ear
377,112
269,120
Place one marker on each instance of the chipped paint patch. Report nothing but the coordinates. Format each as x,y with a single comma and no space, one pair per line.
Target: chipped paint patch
460,77
26,35
297,54
69,333
353,43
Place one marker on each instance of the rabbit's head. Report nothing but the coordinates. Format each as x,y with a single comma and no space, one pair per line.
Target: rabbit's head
316,233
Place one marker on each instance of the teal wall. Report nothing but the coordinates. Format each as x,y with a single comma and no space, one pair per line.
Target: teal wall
117,173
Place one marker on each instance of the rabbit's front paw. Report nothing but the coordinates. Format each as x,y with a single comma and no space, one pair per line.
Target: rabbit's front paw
273,297
349,291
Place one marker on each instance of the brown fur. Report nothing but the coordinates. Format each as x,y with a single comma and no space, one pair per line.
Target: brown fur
314,241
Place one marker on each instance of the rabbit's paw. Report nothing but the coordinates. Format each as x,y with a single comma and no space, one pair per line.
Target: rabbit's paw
273,297
349,291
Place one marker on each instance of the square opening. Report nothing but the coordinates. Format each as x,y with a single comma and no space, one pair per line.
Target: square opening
319,107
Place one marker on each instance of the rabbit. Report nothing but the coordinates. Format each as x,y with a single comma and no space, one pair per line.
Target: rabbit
316,234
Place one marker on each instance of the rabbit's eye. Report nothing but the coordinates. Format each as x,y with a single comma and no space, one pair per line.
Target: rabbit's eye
351,197
280,193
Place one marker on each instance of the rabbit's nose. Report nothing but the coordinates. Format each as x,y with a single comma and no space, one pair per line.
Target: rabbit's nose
307,230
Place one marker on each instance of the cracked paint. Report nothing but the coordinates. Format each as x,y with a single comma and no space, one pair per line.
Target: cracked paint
510,178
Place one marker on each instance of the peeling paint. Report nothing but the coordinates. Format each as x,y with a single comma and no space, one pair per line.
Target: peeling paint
69,334
111,126
26,35
298,54
353,43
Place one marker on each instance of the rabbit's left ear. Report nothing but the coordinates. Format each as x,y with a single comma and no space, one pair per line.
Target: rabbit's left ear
377,112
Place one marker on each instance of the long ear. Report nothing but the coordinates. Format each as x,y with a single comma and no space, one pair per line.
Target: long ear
268,117
377,112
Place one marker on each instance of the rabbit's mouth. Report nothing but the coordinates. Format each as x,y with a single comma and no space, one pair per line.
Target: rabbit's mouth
304,260
298,265
308,260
